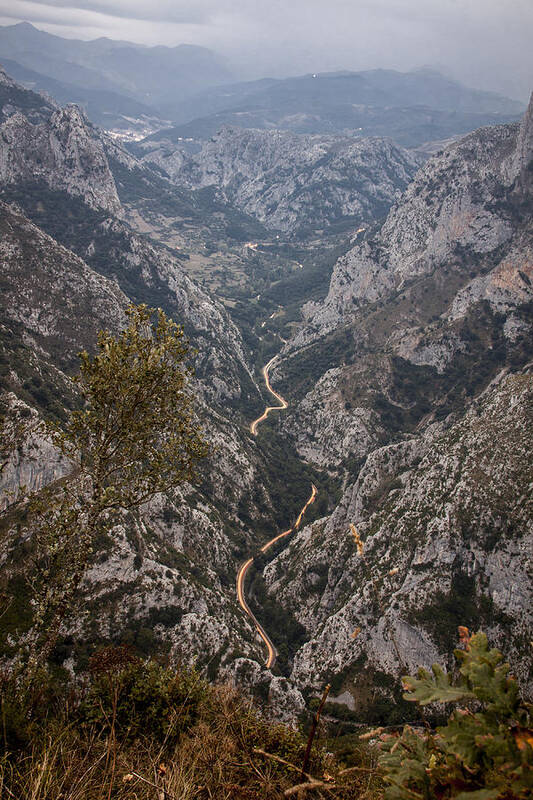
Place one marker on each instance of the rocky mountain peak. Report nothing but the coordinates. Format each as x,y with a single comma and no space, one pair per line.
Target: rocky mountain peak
72,117
62,150
459,201
293,182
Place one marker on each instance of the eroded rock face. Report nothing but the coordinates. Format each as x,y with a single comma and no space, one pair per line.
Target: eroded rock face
161,578
521,164
294,182
34,462
64,151
414,377
43,286
446,524
442,288
326,431
284,702
456,202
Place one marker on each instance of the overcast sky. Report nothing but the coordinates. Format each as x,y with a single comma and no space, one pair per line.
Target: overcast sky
486,43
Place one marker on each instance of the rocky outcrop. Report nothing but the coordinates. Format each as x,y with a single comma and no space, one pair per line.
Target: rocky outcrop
290,182
426,307
27,458
46,291
43,285
523,161
63,151
451,205
445,526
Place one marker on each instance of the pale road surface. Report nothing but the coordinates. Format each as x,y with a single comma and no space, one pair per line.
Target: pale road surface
243,569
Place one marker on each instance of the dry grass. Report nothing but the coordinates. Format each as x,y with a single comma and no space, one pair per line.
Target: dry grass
229,753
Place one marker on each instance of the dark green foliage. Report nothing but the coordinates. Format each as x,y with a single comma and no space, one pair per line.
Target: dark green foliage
23,713
287,481
484,752
462,604
309,283
39,385
338,680
16,613
141,696
301,373
135,436
377,694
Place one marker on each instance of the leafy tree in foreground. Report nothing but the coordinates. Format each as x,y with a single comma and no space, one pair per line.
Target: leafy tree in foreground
136,436
484,752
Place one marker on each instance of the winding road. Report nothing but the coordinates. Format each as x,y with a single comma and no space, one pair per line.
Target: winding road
266,412
243,569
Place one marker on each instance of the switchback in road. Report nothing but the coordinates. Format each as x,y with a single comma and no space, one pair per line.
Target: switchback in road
283,403
243,569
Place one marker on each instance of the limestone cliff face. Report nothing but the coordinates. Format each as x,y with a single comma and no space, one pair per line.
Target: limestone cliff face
170,569
294,182
455,202
34,463
166,573
42,287
445,521
413,381
63,151
443,285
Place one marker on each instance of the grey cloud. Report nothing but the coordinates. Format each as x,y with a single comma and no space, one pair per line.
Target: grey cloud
483,42
57,10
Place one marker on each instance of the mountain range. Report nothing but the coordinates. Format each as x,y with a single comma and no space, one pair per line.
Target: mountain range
291,182
414,377
134,90
148,74
411,108
404,349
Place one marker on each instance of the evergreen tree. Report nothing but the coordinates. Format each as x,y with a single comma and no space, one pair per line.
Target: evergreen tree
136,436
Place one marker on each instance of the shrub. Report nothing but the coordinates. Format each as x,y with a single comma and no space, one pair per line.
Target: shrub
484,752
141,697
